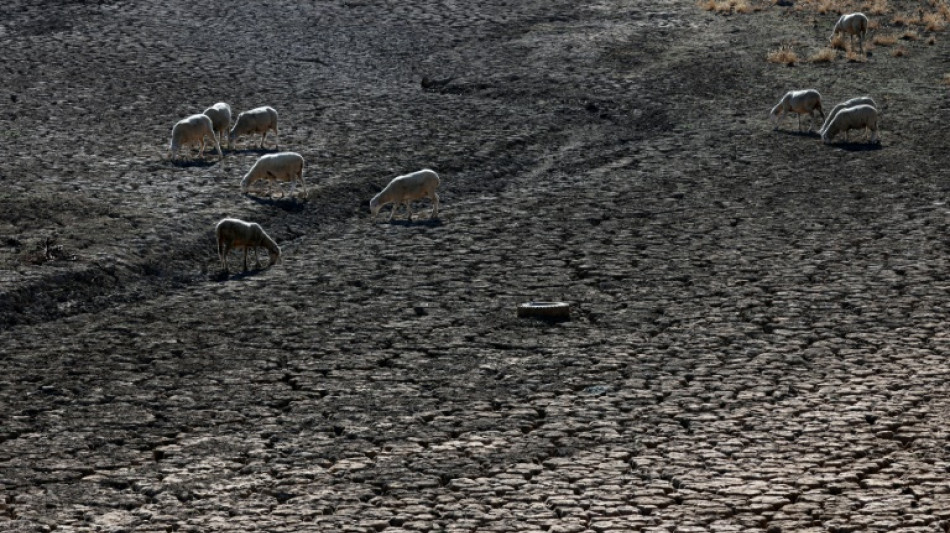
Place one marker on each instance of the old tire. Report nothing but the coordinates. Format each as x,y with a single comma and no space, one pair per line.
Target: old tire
551,311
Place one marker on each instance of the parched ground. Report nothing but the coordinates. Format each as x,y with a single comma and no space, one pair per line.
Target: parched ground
759,338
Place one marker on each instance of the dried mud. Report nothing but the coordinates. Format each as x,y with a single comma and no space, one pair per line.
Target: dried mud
759,332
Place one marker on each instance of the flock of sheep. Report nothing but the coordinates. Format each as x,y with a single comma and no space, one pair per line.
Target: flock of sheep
231,233
234,234
855,114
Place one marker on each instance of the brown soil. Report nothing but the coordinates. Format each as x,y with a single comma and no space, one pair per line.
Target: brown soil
759,336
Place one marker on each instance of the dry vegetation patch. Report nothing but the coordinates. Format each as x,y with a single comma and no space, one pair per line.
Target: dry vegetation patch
825,55
884,39
784,55
726,7
890,22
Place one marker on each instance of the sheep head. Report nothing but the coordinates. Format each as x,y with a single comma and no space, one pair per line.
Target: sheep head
374,206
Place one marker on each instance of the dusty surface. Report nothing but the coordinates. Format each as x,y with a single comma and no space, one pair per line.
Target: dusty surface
760,333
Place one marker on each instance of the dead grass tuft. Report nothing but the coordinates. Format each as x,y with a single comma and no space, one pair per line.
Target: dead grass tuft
783,55
932,40
933,22
900,51
910,35
877,8
884,39
828,6
838,42
903,19
725,7
856,57
825,55
946,79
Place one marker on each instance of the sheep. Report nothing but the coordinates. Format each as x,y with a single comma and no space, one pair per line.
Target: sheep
800,102
192,130
861,100
404,189
220,115
283,166
853,118
233,233
259,120
852,24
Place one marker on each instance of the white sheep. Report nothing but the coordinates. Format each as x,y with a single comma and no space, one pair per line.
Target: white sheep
861,100
233,233
853,118
220,115
404,189
805,101
192,130
283,166
259,120
852,24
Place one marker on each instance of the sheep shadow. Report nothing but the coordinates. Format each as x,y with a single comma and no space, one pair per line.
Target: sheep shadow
222,276
850,146
795,133
427,223
289,204
194,163
245,151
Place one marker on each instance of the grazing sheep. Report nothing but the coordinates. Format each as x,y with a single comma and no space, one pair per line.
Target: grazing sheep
192,130
861,100
852,24
259,120
220,115
233,233
404,189
853,118
800,102
283,166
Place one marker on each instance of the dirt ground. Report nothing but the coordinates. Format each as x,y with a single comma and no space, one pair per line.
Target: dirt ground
759,337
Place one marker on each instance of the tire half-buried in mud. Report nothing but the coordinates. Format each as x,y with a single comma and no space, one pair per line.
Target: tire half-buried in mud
550,311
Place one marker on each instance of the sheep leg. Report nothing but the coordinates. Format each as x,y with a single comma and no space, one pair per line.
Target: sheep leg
263,136
409,210
223,250
435,205
303,185
276,140
245,259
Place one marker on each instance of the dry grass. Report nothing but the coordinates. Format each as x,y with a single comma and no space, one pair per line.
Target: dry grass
910,35
900,51
783,55
903,19
932,40
838,42
828,6
884,39
877,8
726,7
856,57
933,22
825,55
946,79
